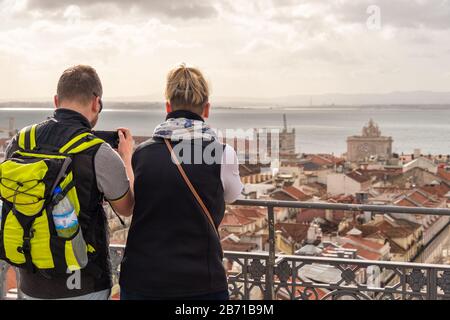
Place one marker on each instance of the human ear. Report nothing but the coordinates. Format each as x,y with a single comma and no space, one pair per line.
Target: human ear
168,107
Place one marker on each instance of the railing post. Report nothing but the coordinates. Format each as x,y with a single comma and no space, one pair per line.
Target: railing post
432,287
19,292
271,261
3,269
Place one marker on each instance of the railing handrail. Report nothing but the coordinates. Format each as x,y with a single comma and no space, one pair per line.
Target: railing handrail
274,259
325,260
343,207
264,255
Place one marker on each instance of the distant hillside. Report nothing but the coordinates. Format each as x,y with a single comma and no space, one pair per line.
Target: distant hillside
392,98
108,105
335,99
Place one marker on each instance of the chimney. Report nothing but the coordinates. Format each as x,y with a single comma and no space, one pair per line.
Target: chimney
329,215
417,153
379,218
314,232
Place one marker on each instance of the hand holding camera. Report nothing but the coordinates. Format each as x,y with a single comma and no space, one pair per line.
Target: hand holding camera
126,143
120,140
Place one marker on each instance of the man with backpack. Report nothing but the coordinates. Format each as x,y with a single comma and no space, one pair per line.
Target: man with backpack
60,166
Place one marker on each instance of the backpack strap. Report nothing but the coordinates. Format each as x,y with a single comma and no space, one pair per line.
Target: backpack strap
27,141
80,143
27,138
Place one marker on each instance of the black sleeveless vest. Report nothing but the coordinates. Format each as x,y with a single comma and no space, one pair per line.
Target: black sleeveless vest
172,250
51,135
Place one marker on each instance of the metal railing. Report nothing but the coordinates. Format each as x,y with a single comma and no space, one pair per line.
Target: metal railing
271,264
271,276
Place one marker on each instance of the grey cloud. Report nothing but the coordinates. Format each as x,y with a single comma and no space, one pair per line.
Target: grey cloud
430,14
322,53
173,8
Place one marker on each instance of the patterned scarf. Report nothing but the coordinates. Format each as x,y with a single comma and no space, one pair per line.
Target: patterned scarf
177,129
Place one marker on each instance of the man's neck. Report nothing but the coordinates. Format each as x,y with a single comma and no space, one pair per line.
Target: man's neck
80,110
72,115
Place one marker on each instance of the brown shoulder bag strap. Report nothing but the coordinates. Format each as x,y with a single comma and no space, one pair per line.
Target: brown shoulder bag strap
191,187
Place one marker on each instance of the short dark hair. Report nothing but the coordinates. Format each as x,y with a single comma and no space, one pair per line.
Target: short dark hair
79,83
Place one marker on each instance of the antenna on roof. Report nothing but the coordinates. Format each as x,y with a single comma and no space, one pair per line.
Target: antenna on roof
12,127
285,122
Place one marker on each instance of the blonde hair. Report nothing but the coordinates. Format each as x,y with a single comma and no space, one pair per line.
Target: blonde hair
187,88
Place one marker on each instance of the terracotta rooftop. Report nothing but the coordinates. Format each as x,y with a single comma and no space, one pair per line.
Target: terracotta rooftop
232,219
249,212
359,176
365,242
315,188
230,245
324,159
308,215
363,253
249,169
398,228
408,224
444,173
296,193
298,232
342,199
440,190
418,198
395,248
281,195
382,174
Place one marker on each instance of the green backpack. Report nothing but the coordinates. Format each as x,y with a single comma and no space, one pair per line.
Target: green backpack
28,179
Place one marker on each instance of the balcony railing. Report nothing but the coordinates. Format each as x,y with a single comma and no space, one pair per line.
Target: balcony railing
271,276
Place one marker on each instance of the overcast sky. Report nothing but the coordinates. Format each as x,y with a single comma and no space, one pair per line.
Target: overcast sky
265,48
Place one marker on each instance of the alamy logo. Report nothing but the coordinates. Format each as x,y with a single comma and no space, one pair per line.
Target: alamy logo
374,20
74,280
252,146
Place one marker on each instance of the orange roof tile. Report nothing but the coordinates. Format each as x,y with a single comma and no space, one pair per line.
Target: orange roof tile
359,176
297,193
324,159
363,253
308,215
231,219
249,212
444,173
298,232
439,190
365,242
229,245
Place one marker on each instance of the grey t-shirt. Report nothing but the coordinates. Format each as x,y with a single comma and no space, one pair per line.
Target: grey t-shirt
112,179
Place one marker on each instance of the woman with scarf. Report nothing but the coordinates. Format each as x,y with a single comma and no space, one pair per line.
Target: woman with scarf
183,177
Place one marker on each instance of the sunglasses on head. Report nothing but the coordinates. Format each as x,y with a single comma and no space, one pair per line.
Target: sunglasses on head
99,101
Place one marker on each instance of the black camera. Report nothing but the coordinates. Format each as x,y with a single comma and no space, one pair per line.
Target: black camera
110,137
